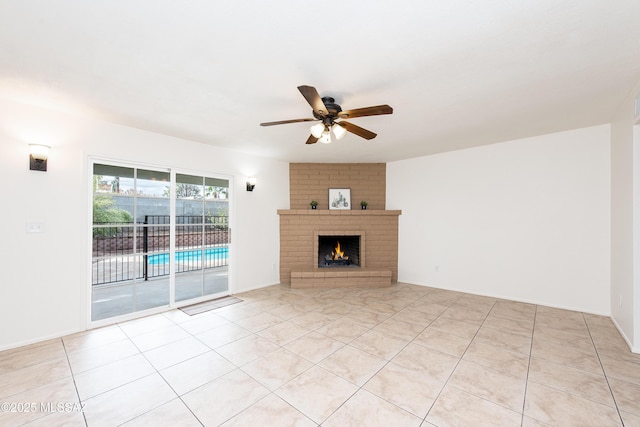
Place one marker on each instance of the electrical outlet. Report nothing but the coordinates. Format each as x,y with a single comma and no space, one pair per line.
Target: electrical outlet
620,301
437,268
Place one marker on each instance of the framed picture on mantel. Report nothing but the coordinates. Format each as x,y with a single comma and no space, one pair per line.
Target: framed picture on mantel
339,198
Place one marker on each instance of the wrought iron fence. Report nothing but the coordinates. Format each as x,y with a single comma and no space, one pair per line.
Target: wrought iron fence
123,251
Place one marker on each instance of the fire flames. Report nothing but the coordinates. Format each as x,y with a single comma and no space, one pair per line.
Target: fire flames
337,253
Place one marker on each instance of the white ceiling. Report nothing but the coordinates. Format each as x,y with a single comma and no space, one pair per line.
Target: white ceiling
458,73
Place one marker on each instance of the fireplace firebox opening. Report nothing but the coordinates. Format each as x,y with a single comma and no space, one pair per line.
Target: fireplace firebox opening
339,251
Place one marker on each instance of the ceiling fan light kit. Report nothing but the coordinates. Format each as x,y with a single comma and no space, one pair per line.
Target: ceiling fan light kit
327,111
322,132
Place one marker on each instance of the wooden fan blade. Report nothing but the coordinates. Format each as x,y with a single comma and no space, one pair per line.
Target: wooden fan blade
366,111
312,140
311,95
362,132
283,122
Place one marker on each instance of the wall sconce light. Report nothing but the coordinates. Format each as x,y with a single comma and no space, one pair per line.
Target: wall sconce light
38,155
251,183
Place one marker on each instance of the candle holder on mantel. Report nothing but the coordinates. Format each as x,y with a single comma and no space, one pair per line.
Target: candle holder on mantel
314,204
363,205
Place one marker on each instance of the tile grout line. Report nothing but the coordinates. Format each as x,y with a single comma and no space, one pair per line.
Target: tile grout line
348,344
460,359
191,358
424,419
159,374
569,392
361,387
73,378
383,366
282,347
237,368
604,372
526,383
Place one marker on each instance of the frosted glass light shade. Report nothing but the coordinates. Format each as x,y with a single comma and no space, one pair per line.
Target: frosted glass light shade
326,137
39,152
339,131
317,129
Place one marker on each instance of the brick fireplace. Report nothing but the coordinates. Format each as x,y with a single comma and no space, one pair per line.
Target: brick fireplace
301,228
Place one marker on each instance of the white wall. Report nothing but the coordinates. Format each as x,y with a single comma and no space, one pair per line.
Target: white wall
43,277
625,224
526,220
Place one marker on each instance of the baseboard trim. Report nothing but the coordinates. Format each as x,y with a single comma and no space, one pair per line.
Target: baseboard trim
625,338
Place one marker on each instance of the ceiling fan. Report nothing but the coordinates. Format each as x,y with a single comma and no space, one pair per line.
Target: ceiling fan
327,111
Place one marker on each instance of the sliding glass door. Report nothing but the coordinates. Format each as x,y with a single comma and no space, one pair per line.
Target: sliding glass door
158,239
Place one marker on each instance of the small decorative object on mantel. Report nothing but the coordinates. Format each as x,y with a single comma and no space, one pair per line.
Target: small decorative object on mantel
339,198
363,205
314,204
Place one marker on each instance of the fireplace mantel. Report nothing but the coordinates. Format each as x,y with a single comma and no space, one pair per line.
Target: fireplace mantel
299,230
365,212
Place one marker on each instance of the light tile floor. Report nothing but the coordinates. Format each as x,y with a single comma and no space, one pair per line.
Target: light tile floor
402,356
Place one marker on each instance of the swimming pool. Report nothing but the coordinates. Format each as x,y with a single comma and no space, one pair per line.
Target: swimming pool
191,256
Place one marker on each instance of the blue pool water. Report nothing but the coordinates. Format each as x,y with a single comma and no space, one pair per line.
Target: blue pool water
187,256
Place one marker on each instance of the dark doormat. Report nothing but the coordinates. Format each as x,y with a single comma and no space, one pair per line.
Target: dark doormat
201,307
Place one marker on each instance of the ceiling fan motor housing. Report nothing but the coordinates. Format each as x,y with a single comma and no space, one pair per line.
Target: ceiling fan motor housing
332,108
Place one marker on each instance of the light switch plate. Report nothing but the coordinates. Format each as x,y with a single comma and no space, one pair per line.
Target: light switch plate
35,227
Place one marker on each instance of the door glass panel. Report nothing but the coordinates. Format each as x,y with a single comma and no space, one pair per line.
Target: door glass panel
201,248
216,227
131,210
189,220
